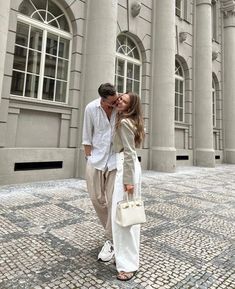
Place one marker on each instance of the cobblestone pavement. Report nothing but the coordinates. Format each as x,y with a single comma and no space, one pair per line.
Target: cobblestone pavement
50,236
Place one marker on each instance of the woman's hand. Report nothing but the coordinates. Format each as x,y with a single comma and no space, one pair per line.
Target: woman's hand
129,189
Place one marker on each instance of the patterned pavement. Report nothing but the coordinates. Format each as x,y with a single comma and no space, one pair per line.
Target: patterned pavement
50,236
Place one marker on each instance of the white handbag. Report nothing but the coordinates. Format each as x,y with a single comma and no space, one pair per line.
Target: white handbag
130,213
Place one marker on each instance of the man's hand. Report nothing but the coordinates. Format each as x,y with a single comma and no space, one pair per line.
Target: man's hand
87,150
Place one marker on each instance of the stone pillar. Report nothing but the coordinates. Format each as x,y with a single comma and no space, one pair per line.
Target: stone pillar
163,153
4,19
229,81
204,151
99,61
100,47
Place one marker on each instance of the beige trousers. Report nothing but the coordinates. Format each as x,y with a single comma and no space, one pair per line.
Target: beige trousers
100,187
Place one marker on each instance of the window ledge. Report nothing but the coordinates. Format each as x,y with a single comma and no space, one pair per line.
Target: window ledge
215,41
181,125
29,103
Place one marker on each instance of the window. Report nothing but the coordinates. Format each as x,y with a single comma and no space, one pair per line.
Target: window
42,52
178,8
179,92
182,9
213,103
214,20
128,65
186,7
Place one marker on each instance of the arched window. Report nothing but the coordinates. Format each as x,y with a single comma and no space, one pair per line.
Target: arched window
213,103
179,92
42,52
128,65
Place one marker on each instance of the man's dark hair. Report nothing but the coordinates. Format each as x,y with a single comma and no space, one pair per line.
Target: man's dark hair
106,89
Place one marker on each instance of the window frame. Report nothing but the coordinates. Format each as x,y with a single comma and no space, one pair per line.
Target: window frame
180,78
214,20
127,59
182,10
46,28
213,103
178,8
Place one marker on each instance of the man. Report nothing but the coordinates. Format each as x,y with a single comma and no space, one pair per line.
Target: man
99,122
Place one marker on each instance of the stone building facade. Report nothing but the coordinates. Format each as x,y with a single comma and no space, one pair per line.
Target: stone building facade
177,54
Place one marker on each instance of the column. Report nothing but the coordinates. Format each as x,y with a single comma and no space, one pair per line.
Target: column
4,19
163,153
229,82
99,62
203,127
100,47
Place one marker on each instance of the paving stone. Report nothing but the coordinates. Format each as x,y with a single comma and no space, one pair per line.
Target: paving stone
7,227
50,235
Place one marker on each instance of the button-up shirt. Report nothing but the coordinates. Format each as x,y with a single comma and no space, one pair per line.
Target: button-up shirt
98,132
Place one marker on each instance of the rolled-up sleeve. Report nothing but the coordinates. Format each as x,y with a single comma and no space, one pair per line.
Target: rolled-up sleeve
87,128
128,139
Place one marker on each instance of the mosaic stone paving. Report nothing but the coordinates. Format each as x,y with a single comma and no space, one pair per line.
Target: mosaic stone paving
50,236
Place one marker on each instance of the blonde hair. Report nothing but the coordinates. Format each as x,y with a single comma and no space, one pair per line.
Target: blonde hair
134,113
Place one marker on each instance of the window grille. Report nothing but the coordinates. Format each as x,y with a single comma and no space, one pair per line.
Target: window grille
128,65
179,92
42,52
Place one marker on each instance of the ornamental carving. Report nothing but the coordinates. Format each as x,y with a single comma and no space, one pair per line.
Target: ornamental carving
214,54
182,36
135,8
228,6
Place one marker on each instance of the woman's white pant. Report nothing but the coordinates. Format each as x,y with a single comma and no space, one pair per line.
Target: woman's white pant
126,240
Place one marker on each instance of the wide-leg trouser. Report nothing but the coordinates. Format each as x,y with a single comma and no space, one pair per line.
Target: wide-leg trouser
100,187
126,239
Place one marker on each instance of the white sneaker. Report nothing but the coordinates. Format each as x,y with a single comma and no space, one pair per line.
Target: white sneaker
107,252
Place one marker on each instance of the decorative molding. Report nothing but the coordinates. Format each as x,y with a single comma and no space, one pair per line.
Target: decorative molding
135,8
183,36
228,7
214,54
203,2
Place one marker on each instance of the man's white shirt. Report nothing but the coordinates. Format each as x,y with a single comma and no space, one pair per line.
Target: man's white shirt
98,132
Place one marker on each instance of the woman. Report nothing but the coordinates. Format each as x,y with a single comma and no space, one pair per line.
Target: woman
129,134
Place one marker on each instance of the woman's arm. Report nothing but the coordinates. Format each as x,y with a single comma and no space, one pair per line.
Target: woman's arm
128,140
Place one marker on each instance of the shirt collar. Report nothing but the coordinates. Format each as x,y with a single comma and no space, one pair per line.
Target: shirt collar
98,104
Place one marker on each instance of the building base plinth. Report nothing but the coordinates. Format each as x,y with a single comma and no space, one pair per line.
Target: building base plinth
230,156
163,159
205,158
